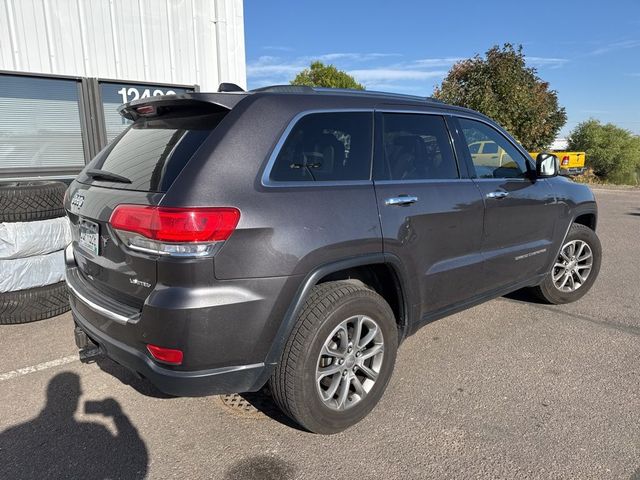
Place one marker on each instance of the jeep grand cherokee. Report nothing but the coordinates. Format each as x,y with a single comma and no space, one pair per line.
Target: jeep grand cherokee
294,236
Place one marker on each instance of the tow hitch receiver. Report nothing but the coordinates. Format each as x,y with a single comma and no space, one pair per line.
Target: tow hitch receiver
89,351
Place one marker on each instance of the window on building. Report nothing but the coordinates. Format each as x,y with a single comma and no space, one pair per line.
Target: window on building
40,124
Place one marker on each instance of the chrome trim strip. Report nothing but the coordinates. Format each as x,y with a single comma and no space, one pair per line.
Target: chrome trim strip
116,317
266,182
97,308
419,112
211,250
504,179
419,181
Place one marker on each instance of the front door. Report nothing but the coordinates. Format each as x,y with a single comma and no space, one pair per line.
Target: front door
520,211
431,215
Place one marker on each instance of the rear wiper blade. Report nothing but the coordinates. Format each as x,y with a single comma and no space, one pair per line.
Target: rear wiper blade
104,175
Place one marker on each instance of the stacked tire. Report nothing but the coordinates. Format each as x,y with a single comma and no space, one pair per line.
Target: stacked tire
33,234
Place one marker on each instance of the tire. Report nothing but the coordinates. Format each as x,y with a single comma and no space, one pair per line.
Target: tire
293,383
549,292
23,306
29,201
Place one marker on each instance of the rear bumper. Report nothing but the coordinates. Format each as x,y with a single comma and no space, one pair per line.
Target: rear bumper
213,381
569,172
225,329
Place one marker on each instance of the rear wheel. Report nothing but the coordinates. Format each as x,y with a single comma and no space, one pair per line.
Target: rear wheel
338,359
576,268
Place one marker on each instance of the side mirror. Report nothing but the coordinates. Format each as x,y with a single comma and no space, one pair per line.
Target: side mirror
547,165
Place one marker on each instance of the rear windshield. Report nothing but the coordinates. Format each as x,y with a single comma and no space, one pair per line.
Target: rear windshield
152,152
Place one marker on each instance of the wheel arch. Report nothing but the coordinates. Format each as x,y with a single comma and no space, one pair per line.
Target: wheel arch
340,270
585,214
588,219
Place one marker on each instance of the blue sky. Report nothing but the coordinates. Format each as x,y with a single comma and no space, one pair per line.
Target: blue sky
588,51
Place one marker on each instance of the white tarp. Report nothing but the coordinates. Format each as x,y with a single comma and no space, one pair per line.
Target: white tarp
25,239
30,272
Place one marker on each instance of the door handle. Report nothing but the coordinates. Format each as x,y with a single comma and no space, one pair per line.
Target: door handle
497,194
401,200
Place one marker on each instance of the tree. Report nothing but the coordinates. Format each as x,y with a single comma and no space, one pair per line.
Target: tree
321,75
612,152
501,86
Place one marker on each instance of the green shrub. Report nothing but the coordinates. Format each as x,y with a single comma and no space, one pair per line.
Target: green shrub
612,152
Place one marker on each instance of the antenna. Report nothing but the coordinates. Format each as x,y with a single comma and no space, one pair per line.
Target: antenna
229,87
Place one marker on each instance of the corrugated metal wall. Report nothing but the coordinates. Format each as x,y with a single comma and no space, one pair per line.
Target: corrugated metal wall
170,41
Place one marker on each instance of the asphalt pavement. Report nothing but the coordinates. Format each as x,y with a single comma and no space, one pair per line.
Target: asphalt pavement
509,389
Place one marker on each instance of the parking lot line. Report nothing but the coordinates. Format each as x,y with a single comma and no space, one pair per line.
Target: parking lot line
37,368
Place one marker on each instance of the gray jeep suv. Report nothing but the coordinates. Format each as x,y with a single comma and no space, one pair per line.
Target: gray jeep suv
294,236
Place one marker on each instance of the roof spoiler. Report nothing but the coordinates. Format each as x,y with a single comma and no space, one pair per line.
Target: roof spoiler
154,106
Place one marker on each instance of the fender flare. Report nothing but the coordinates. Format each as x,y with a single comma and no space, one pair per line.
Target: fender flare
580,209
310,280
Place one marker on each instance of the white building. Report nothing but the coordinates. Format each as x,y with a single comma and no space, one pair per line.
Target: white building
66,65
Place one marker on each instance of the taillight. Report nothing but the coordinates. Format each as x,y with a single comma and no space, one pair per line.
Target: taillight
174,231
565,160
146,110
166,355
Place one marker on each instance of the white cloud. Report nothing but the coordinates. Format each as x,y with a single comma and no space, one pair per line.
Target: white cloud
436,62
277,48
551,62
375,70
274,68
356,57
611,47
390,74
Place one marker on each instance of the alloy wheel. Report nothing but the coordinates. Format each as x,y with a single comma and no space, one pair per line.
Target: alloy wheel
573,266
349,363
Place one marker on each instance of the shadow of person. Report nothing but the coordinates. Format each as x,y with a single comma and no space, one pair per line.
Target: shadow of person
127,377
55,445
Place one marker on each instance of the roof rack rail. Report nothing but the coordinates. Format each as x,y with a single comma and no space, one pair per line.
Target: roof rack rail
285,89
373,93
343,91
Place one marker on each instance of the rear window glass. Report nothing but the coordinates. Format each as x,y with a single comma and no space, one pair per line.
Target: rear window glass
332,146
152,152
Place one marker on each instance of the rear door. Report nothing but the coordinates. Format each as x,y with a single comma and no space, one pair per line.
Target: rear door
520,213
431,214
138,167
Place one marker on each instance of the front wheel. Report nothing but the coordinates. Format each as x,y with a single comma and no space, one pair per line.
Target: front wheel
576,268
338,359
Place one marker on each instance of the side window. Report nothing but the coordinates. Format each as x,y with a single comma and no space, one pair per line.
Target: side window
416,147
498,157
326,147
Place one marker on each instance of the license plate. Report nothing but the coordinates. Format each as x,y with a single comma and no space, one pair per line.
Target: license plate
89,236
